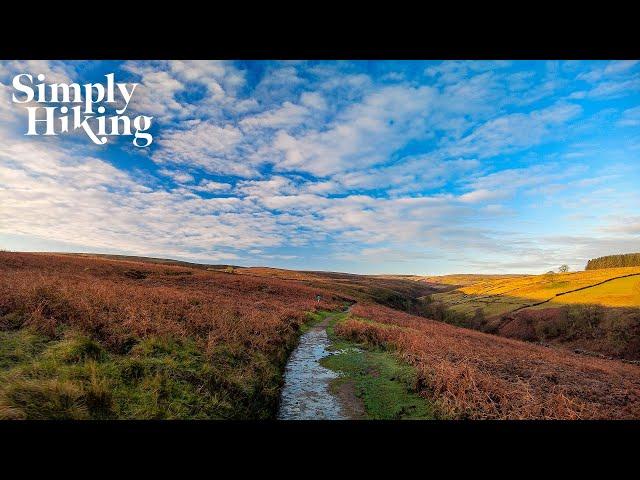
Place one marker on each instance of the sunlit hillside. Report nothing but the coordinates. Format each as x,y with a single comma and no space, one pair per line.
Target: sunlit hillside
594,310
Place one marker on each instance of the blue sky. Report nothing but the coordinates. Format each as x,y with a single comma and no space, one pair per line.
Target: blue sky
368,167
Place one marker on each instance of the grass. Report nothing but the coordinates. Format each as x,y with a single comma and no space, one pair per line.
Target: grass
622,292
160,378
470,374
382,382
543,287
314,318
75,378
385,385
552,308
93,338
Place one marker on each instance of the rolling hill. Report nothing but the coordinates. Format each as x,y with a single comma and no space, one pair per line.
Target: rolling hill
89,337
594,310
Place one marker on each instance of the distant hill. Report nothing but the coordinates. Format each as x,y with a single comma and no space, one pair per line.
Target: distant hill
597,310
135,258
614,261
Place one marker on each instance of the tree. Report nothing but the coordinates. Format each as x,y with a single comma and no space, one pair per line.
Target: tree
563,268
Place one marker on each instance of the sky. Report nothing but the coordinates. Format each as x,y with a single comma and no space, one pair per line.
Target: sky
404,167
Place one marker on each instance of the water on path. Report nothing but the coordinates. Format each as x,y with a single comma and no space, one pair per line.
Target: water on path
306,395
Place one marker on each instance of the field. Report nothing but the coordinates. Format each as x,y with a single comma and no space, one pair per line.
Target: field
469,374
621,292
88,337
594,310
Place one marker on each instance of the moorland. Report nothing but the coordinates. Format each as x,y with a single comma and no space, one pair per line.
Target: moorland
113,337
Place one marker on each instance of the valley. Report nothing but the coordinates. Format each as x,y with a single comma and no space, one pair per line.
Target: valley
112,337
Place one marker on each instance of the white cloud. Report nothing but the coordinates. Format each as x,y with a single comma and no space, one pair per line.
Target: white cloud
177,176
210,186
515,131
481,195
364,134
287,115
630,117
54,71
313,100
156,94
203,145
221,78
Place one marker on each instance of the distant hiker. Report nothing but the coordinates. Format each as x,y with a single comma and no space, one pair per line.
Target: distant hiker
318,297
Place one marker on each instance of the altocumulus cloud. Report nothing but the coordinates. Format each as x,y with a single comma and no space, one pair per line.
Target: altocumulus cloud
412,167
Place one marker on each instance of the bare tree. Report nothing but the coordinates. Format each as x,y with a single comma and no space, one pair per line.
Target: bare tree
563,268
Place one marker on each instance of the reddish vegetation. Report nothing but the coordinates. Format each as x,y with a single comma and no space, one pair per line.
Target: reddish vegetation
476,375
605,331
119,302
250,323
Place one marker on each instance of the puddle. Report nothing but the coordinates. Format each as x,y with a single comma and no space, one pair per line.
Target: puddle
306,395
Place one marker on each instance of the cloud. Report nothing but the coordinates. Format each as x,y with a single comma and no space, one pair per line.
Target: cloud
614,79
365,134
464,164
204,145
516,131
481,195
313,100
278,84
48,192
611,69
54,71
630,118
287,115
221,78
177,176
156,94
210,186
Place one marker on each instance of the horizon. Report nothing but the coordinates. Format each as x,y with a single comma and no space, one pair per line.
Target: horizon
179,260
401,167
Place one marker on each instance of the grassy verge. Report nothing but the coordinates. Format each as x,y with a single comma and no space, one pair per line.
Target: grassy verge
385,385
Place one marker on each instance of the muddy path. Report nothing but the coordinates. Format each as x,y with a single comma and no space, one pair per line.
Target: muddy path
306,394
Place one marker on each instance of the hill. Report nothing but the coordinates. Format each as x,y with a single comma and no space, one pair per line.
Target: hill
98,338
391,290
595,310
470,374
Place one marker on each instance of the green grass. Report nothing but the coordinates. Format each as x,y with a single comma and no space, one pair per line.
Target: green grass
314,318
75,378
385,384
19,346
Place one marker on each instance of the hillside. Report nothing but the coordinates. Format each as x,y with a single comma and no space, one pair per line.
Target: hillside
96,338
401,292
595,310
470,374
119,337
390,290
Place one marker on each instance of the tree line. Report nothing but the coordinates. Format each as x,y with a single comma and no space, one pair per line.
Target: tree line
613,261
